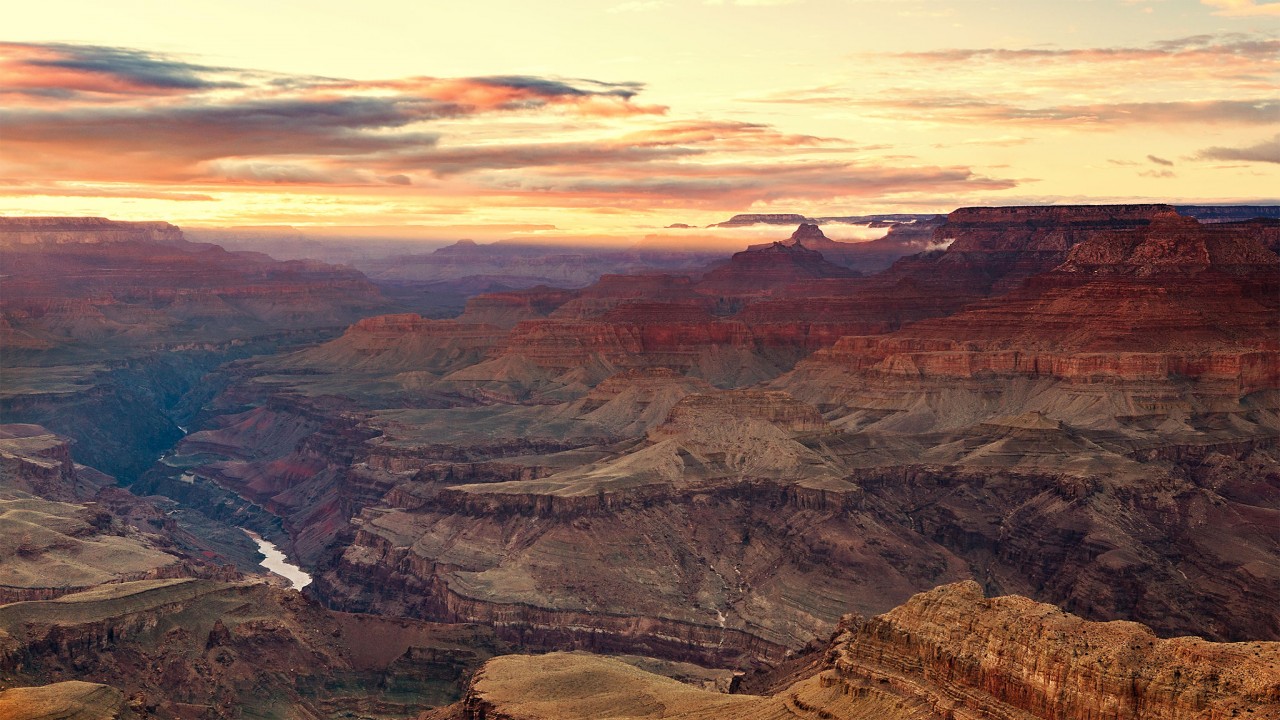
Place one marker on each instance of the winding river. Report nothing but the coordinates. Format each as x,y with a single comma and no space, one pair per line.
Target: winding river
278,563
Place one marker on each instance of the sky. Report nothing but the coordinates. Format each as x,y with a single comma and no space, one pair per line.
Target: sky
610,120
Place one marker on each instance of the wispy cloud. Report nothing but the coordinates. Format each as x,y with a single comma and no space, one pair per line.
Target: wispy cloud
112,116
1244,8
967,109
1267,151
1229,77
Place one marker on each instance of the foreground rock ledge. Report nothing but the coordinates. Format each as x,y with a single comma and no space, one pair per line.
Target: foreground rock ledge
946,653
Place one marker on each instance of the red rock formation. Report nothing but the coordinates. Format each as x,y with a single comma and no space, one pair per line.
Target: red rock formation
966,656
88,280
1174,299
400,343
753,273
948,654
506,309
864,256
85,230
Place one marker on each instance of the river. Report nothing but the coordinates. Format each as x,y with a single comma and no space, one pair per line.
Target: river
278,563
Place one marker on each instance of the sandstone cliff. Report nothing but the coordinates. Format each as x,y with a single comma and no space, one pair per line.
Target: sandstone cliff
946,653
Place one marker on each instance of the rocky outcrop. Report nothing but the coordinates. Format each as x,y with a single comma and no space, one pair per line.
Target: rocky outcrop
753,273
388,344
70,700
946,653
961,653
36,461
1172,300
65,527
221,649
864,256
508,308
83,231
72,281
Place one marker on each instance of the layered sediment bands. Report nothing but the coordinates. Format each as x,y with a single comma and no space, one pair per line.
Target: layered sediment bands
1101,436
36,461
76,281
945,653
1185,308
219,649
290,457
1243,371
70,230
506,309
399,343
1012,657
65,528
786,300
734,573
771,406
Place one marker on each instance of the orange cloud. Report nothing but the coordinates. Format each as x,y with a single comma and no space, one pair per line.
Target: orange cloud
97,118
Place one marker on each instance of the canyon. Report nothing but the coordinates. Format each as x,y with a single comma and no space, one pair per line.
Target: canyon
945,653
805,465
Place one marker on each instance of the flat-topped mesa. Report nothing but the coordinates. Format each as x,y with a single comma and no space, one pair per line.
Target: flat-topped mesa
772,406
35,460
763,219
505,309
1053,228
1173,244
399,343
132,286
610,291
83,230
1057,215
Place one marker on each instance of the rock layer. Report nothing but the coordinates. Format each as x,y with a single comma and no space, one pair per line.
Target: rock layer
946,653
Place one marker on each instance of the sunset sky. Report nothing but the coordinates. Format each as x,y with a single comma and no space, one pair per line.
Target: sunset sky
582,119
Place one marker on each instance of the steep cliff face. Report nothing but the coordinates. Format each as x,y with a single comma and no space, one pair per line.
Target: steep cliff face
83,231
1010,656
732,517
72,281
388,344
946,653
178,648
65,527
1173,303
106,326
